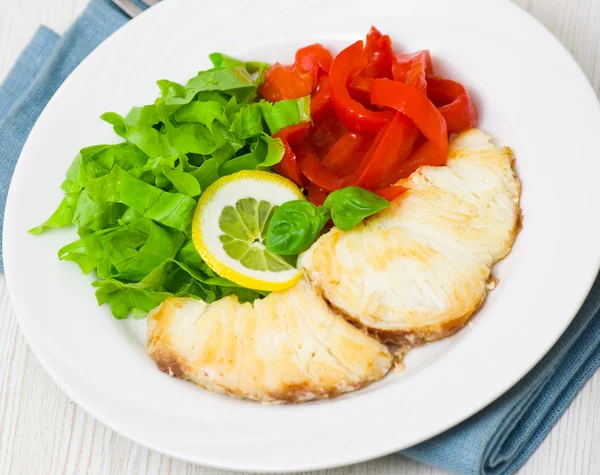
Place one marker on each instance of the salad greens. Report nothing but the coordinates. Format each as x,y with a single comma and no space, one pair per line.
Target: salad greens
133,202
295,225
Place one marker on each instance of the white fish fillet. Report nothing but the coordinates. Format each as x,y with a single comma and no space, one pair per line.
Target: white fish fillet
288,347
418,270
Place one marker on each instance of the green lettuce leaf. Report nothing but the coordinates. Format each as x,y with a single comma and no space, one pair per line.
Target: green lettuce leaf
221,60
63,216
174,210
133,203
285,113
183,182
91,216
247,122
264,153
171,278
88,253
203,112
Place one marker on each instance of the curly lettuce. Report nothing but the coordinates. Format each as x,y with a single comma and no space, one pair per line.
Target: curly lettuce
133,202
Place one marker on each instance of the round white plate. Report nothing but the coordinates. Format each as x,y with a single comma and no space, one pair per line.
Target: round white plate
531,96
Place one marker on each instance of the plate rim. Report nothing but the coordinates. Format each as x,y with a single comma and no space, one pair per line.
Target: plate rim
72,393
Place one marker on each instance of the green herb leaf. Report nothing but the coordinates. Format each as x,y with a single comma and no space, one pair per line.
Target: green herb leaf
349,206
294,226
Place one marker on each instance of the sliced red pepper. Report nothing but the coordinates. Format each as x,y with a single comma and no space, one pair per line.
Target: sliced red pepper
288,166
416,106
281,82
352,113
360,89
390,193
314,59
316,195
413,69
292,82
320,102
379,55
377,168
454,102
391,147
312,168
373,36
324,135
346,154
426,154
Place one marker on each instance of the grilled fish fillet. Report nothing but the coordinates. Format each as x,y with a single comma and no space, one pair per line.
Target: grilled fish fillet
418,270
288,347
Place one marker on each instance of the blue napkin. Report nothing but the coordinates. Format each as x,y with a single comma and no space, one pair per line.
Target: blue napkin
38,73
497,440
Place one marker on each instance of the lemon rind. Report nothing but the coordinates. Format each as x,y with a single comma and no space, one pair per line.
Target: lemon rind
215,264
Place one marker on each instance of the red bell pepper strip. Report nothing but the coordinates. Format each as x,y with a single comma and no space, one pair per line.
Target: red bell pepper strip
314,170
360,89
299,80
346,154
413,69
377,169
379,55
316,195
416,106
288,166
314,59
281,82
352,113
390,149
320,102
426,154
454,102
323,136
390,193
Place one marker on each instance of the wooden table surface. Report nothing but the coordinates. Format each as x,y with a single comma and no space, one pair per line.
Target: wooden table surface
43,432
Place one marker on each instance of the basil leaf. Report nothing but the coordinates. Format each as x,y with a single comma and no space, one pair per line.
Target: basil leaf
349,206
294,226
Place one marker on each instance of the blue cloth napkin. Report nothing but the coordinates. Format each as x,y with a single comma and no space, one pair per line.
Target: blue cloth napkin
497,440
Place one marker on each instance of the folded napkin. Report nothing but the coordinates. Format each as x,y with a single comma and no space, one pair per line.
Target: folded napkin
38,73
497,440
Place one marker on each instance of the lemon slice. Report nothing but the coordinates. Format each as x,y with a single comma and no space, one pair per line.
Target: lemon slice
230,226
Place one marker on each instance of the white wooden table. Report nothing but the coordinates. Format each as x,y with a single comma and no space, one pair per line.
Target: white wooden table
43,432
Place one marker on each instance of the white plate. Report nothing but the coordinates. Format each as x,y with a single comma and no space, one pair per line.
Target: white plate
531,95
